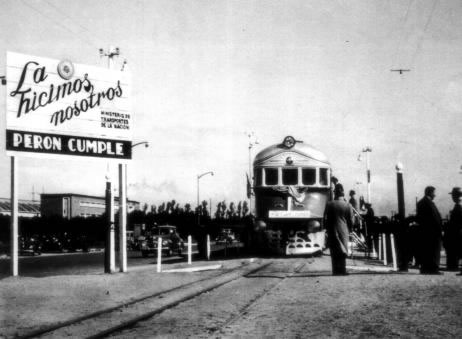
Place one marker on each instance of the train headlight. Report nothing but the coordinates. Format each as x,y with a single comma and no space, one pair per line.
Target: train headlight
289,141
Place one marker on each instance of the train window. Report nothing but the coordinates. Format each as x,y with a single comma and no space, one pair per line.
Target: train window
323,176
290,176
258,176
309,176
271,176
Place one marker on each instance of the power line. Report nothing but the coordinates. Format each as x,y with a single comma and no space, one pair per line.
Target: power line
57,9
57,23
406,15
420,42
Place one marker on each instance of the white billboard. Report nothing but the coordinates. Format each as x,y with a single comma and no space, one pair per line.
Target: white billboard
57,107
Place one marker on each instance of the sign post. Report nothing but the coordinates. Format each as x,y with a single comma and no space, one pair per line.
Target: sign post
14,216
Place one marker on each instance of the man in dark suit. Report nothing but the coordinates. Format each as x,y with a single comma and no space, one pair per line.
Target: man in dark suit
453,232
430,233
339,222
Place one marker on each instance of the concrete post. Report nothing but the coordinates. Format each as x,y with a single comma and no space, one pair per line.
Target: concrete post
159,255
189,250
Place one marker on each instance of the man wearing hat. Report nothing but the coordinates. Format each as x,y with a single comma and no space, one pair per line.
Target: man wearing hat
339,222
430,233
453,234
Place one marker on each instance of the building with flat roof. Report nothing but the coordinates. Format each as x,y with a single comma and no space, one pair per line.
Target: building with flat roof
71,205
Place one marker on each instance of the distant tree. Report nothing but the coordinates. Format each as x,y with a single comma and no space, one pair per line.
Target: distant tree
245,209
239,209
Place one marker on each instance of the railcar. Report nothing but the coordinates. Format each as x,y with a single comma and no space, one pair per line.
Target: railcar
291,186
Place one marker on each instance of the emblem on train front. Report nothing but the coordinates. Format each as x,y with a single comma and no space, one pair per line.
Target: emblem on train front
289,141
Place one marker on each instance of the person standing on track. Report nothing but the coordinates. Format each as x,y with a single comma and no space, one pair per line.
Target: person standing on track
339,223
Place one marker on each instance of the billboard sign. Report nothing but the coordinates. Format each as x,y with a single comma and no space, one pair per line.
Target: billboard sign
55,107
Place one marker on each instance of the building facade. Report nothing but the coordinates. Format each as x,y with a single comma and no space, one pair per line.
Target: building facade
71,205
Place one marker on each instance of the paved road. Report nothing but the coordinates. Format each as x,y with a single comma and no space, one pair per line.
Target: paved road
71,263
51,264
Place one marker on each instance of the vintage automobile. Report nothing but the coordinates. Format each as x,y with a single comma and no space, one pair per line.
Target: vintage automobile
171,241
226,236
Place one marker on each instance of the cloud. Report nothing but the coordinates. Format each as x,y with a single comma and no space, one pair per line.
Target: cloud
145,187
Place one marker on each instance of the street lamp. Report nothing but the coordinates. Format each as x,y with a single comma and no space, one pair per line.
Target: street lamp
252,142
367,150
198,177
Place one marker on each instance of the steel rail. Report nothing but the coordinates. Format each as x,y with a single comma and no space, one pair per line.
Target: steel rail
244,310
66,323
135,320
54,327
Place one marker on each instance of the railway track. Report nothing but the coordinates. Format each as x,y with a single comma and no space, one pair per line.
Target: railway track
104,322
244,310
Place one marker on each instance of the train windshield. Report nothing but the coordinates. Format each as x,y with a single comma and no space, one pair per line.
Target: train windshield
271,176
309,176
323,177
290,176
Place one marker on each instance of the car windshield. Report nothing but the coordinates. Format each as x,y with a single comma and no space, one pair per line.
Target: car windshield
162,231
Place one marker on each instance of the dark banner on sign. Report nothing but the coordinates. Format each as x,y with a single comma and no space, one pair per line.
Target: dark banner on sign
33,142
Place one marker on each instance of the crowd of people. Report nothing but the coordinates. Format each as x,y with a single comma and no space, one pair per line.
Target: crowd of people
422,241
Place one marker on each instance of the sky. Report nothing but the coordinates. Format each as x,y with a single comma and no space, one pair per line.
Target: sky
207,73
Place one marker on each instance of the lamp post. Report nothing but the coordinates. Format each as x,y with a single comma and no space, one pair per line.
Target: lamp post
123,211
367,150
252,142
400,186
198,178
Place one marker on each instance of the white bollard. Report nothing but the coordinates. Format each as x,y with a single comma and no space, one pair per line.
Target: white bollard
189,250
385,262
208,247
159,255
374,253
393,252
380,247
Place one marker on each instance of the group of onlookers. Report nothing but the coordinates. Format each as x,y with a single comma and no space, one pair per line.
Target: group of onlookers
423,242
431,235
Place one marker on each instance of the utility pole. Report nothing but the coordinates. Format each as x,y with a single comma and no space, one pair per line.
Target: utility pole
109,262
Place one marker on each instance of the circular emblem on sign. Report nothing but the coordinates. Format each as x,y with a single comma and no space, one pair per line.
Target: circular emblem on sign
66,69
289,161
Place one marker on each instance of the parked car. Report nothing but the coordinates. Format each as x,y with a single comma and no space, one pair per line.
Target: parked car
226,236
171,241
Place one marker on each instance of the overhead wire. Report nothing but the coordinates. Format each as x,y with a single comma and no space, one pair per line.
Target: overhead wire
404,20
57,23
420,42
60,11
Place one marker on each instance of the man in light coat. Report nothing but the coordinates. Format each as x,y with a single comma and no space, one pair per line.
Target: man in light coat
339,223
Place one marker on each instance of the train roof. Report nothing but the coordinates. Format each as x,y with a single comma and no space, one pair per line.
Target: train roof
291,145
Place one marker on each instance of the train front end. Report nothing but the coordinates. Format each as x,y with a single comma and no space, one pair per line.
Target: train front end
292,187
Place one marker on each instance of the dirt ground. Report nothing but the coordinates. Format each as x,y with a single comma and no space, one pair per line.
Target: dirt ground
370,302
